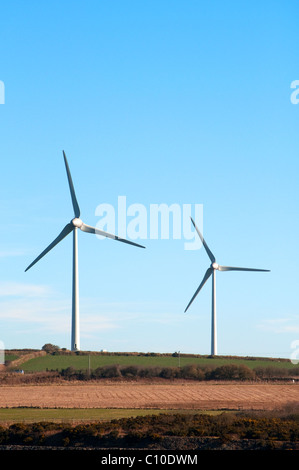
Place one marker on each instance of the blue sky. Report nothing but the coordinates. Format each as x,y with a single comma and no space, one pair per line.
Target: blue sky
161,102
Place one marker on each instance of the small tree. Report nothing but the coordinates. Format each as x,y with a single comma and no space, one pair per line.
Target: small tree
50,348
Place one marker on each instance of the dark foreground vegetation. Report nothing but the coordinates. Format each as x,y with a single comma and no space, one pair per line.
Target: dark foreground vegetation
227,431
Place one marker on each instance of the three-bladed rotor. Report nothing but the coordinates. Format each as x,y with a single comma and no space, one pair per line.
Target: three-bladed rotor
75,224
212,271
214,266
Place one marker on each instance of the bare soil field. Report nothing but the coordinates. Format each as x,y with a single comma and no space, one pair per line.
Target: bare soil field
168,395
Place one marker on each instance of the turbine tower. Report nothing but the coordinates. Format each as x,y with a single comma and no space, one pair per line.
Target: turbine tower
73,226
211,271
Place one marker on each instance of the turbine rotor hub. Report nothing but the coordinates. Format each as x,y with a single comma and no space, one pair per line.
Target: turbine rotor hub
77,222
215,265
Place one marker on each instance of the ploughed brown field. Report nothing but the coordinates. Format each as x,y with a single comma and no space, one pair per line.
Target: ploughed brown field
170,395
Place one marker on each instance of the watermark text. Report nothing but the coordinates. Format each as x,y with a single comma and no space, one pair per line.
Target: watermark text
295,93
2,93
158,221
2,353
295,354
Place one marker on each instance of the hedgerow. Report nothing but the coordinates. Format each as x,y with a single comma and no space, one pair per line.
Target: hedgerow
229,372
189,372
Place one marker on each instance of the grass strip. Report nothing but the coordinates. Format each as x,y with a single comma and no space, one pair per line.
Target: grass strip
82,414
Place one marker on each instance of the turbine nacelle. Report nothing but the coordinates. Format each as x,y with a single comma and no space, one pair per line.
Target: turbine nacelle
215,265
77,222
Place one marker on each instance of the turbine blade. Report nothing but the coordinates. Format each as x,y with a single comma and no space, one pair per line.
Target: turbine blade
67,229
96,231
230,268
73,195
205,278
210,254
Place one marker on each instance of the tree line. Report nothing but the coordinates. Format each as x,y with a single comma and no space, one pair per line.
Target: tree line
189,372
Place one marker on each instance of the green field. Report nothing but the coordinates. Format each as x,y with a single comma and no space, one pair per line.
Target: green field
9,415
93,361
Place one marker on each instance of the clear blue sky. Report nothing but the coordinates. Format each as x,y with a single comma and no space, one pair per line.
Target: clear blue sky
184,102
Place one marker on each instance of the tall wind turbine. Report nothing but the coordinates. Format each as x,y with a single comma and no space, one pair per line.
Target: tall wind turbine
72,226
211,271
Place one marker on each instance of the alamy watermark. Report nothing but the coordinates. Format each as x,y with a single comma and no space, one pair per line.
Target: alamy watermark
2,353
2,93
158,221
295,94
295,354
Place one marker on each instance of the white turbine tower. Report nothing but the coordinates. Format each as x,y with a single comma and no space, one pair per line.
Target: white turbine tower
212,271
72,227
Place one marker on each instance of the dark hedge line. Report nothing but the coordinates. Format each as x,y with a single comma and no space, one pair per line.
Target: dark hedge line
229,372
190,372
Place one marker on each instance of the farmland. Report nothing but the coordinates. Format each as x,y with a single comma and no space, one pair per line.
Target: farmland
86,387
151,395
86,380
77,415
90,360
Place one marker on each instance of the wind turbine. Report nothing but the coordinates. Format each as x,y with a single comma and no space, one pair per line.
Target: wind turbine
212,271
72,226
